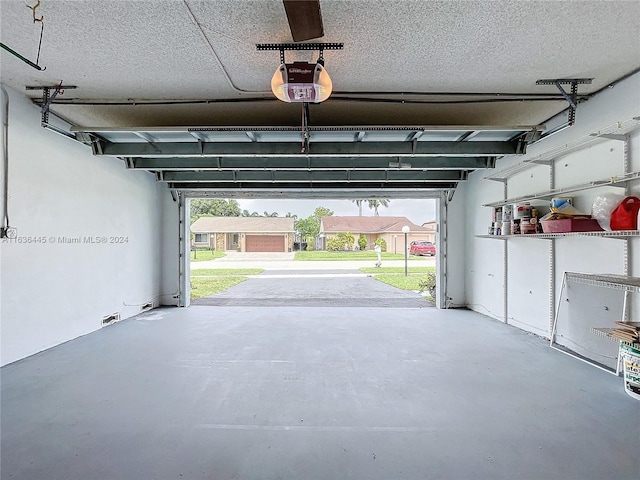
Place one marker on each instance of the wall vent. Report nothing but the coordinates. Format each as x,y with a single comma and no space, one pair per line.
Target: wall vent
146,307
109,319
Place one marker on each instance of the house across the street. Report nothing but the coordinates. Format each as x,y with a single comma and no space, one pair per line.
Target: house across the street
373,228
244,234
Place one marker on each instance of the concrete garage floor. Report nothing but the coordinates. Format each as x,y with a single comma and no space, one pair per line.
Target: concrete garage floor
289,392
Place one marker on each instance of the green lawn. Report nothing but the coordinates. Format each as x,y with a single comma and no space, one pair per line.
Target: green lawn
394,276
208,281
225,271
204,255
410,282
411,270
205,286
320,255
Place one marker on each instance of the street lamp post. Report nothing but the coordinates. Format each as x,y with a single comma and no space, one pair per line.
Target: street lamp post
405,230
395,242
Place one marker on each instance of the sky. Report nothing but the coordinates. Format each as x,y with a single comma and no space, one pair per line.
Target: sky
418,211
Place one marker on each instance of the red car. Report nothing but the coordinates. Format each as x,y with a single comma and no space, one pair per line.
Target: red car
422,248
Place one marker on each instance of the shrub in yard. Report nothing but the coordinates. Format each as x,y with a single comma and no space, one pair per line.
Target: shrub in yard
335,244
341,242
429,284
310,247
362,242
383,244
348,240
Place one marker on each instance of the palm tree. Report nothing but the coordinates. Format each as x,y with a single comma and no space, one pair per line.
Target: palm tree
358,202
378,202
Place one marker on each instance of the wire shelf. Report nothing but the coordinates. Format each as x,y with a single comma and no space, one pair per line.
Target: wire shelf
606,332
619,128
617,282
613,234
617,180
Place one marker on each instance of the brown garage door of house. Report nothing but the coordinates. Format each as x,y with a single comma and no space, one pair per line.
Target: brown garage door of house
265,243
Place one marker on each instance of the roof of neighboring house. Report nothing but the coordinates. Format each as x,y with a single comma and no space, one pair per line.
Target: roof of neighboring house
369,224
242,224
430,225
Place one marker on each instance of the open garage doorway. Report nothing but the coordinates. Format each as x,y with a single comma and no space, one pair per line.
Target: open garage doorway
324,251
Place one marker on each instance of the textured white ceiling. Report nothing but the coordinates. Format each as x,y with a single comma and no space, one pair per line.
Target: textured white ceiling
123,49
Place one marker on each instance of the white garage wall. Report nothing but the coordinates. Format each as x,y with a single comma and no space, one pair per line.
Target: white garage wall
52,290
528,302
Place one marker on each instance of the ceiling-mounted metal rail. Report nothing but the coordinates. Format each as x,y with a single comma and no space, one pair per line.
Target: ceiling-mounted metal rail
320,47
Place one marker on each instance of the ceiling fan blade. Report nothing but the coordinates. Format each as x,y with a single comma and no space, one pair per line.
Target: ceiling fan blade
305,19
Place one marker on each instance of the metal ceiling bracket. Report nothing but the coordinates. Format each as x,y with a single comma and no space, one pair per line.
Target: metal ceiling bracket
571,98
97,146
532,135
525,139
450,194
320,47
48,97
521,146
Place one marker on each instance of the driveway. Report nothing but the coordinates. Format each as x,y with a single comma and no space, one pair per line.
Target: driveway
345,288
286,282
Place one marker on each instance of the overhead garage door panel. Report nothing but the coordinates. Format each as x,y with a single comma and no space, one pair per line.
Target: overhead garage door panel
265,243
274,161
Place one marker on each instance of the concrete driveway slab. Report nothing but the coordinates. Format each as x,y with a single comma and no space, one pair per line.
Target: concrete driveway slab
335,290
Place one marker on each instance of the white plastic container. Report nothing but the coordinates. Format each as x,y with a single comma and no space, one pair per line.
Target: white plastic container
631,369
522,210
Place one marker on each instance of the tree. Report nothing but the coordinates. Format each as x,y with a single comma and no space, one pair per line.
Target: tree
320,212
378,202
358,202
309,227
214,207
